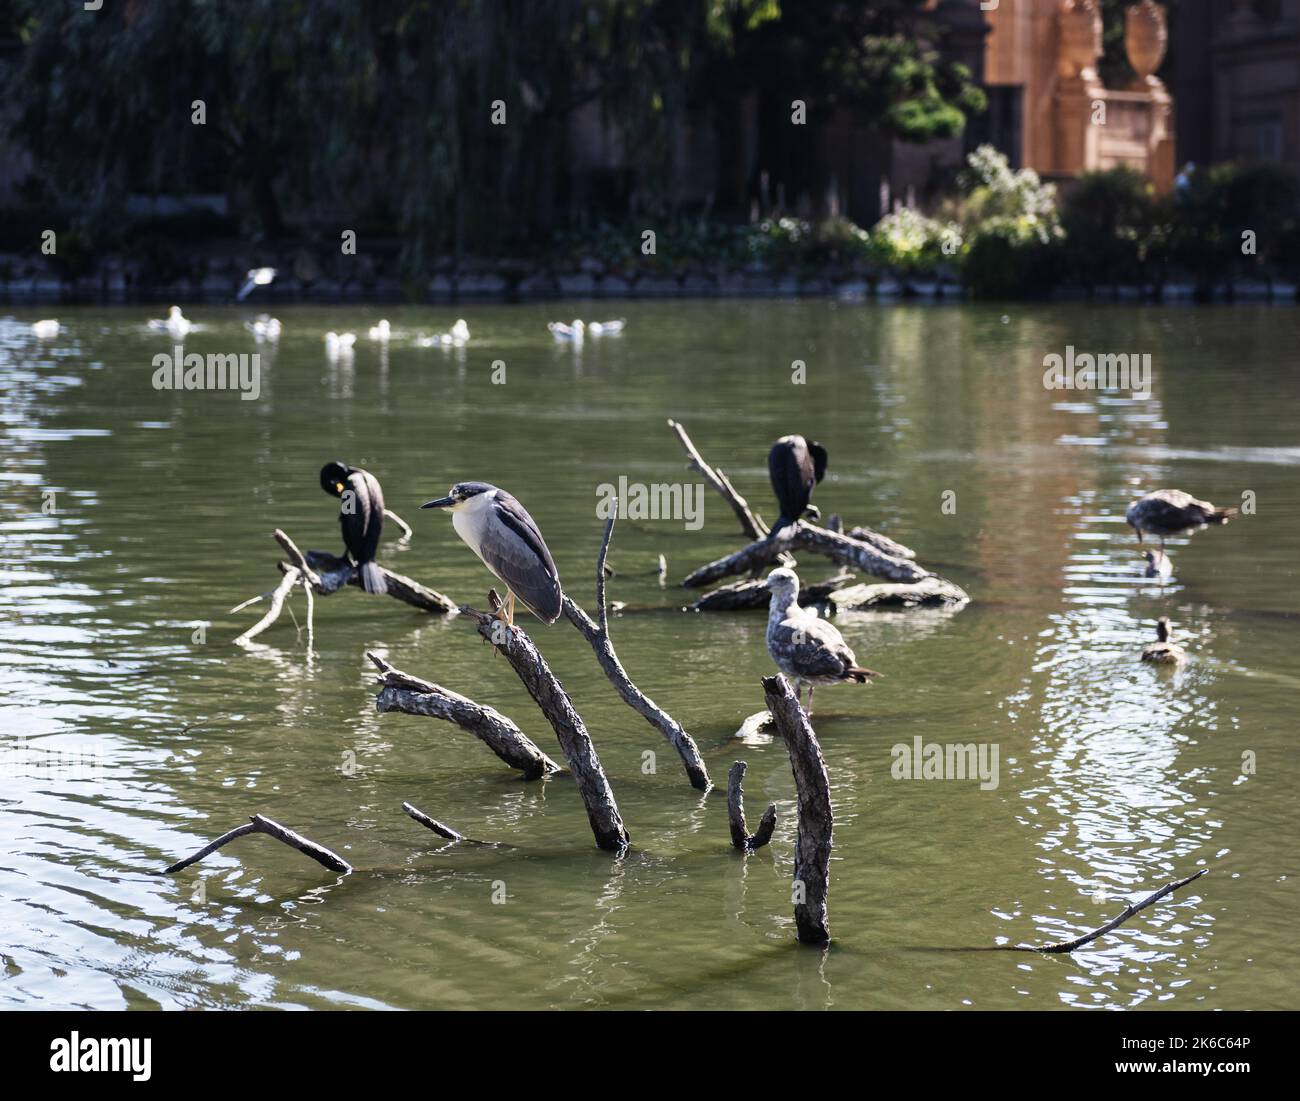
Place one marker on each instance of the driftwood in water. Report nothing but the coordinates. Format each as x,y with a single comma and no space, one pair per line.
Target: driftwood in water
597,635
930,590
260,824
440,828
802,535
812,854
547,692
414,696
862,548
322,574
881,542
1129,910
753,593
740,835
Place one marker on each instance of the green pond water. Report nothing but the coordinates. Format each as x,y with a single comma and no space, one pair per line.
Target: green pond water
130,515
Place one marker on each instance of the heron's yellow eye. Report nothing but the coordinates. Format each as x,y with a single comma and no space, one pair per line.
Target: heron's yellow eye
338,486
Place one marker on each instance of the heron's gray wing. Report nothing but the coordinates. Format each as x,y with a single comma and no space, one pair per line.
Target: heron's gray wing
815,648
516,552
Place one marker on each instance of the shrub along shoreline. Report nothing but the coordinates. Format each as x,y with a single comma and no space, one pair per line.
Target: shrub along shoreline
1226,233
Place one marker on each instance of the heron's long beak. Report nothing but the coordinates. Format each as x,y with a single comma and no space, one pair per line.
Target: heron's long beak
441,502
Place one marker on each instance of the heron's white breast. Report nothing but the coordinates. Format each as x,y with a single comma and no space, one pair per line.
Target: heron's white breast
470,519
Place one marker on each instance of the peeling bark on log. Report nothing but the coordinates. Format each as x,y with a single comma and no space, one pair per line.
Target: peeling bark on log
597,635
752,593
579,750
929,590
741,838
260,824
1129,910
812,784
403,692
440,828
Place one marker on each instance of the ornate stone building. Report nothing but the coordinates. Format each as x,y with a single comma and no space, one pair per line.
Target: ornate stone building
1050,110
1237,80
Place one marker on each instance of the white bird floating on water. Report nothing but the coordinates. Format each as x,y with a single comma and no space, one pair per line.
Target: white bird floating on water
257,277
264,327
175,323
459,335
47,329
339,344
577,329
382,331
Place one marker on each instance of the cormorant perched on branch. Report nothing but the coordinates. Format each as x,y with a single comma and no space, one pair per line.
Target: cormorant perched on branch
795,466
361,516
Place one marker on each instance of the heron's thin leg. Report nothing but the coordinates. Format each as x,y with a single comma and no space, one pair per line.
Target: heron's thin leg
809,707
510,607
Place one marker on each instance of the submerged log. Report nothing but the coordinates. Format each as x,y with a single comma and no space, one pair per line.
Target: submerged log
414,696
812,856
1129,910
753,593
597,635
260,824
930,590
440,828
741,838
513,643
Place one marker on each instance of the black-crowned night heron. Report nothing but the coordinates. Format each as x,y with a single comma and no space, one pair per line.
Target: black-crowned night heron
1169,512
795,466
1163,652
803,645
361,516
496,527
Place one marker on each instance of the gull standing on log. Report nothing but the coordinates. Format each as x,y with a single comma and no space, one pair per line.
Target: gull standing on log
803,645
496,527
1171,512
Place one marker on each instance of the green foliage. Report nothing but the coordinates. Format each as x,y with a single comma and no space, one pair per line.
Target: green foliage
1220,205
1116,230
909,242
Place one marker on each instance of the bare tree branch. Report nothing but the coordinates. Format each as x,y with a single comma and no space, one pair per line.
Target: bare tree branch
1129,910
441,829
750,524
403,692
260,824
597,636
519,650
741,838
812,856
